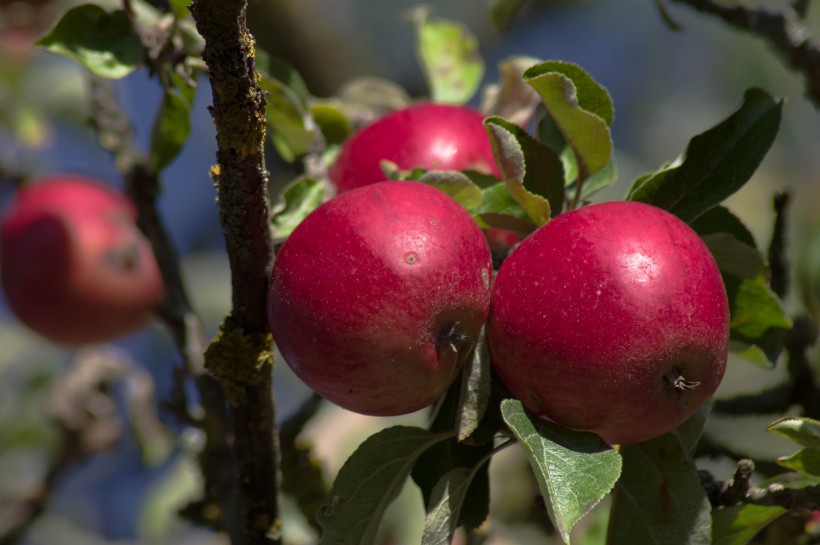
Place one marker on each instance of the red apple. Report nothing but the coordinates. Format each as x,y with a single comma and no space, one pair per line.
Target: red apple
377,295
73,265
432,136
611,318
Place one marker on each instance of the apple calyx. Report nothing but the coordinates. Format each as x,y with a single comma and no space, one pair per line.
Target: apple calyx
678,382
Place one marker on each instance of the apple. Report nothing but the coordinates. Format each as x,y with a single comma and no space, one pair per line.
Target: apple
427,135
73,265
376,297
611,318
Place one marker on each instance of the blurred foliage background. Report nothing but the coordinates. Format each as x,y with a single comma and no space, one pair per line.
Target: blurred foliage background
667,86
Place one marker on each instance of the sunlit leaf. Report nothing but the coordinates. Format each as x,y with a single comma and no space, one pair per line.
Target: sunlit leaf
738,524
754,307
298,200
801,430
449,57
104,42
580,108
532,172
574,470
455,184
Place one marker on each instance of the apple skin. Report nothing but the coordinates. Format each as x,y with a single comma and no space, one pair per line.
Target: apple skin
596,314
432,136
73,265
377,295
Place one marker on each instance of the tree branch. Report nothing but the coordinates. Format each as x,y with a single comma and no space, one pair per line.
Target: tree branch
241,356
142,185
783,32
739,489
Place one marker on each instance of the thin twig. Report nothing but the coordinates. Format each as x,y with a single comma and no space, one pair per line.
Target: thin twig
241,356
783,31
142,184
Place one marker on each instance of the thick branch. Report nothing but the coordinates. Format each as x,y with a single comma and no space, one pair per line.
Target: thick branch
783,32
241,357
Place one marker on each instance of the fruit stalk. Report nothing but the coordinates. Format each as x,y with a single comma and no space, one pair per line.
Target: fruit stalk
241,357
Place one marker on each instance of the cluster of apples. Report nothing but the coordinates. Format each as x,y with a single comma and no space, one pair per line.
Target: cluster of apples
611,318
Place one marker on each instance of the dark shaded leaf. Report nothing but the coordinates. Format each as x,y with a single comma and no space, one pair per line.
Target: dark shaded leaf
369,481
532,172
717,162
659,498
503,11
172,126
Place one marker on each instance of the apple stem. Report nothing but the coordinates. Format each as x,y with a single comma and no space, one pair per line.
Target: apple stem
679,382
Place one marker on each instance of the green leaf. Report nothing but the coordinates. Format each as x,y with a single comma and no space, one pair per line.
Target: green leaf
801,430
332,121
598,181
511,99
503,11
298,200
439,460
738,524
103,42
495,199
733,256
580,108
586,93
806,461
532,172
574,470
455,184
751,353
172,126
475,389
369,481
717,162
445,504
291,127
659,498
271,67
180,8
721,220
689,433
452,493
754,308
732,244
449,57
